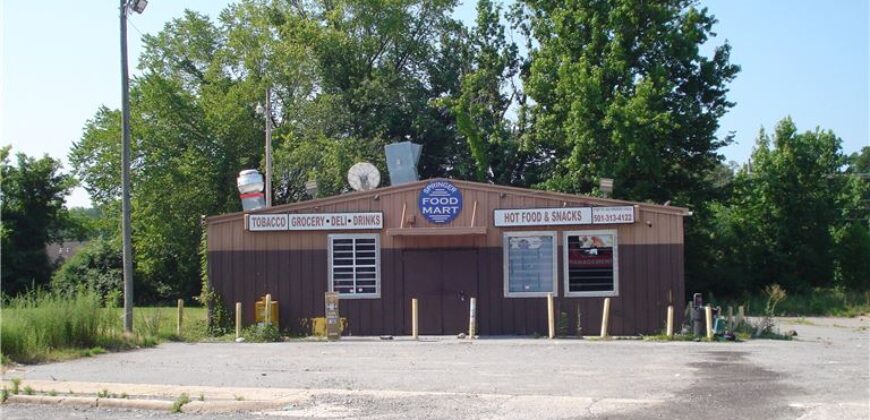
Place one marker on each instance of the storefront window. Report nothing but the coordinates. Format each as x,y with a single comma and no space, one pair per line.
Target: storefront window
529,263
591,263
354,265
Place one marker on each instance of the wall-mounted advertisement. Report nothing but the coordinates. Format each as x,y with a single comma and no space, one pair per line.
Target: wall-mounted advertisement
562,216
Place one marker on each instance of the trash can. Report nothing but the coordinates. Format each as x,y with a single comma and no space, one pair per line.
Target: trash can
260,311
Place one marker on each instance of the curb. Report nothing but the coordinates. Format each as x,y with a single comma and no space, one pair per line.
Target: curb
133,404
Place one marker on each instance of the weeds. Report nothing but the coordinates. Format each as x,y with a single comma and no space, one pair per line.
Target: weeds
52,393
179,402
27,390
4,395
16,383
103,394
262,333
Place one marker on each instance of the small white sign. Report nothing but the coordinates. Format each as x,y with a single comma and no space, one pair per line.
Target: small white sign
608,215
266,222
545,216
560,216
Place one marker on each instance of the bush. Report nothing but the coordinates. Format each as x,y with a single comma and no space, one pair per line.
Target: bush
98,266
262,333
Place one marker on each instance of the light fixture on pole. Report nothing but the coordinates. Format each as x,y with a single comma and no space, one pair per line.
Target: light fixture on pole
137,6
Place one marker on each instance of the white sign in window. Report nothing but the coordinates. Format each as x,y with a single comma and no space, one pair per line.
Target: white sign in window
354,265
591,263
529,264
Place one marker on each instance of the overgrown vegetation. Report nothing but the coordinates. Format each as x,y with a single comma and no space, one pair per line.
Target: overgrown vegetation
42,326
262,333
179,402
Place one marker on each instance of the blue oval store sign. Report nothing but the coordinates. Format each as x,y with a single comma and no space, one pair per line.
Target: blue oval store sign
440,202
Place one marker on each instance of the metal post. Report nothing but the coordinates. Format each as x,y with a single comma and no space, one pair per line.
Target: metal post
268,108
472,317
180,316
125,177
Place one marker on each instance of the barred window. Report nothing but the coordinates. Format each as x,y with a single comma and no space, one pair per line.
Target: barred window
354,265
591,263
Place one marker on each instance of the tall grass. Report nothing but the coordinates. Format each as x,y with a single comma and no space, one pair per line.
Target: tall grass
42,326
821,302
35,324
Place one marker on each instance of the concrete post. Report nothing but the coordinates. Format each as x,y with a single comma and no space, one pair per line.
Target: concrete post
605,318
472,317
238,319
267,311
709,318
551,326
414,319
670,328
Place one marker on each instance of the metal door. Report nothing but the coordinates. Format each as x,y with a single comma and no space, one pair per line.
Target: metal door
443,281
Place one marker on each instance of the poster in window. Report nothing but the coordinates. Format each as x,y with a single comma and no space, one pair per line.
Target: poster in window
591,262
530,264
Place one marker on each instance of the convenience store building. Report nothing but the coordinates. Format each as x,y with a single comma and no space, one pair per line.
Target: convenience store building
445,241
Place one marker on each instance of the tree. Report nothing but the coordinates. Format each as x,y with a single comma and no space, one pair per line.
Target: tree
621,91
34,191
788,219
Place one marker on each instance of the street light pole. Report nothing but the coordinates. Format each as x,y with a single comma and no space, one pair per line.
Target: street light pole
126,230
268,112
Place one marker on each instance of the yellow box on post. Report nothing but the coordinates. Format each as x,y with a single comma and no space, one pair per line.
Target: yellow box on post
318,326
260,309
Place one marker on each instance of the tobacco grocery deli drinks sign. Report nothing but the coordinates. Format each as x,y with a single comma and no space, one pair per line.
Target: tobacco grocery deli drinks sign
314,221
557,216
440,202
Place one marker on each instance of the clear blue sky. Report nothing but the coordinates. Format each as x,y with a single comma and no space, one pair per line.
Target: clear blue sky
807,59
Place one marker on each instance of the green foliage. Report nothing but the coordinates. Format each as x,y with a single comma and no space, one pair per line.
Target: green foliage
37,323
262,333
179,402
16,384
33,215
97,266
218,319
818,302
622,91
790,218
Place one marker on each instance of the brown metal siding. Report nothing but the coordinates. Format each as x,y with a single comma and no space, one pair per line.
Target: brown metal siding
293,265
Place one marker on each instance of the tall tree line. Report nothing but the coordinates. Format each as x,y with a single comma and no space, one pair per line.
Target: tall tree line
552,95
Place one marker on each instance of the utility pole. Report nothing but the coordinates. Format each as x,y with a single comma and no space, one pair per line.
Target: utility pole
137,6
268,112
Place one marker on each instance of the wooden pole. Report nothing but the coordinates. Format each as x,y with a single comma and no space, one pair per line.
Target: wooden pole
670,329
472,317
709,318
579,322
238,319
267,311
605,318
414,319
730,318
740,315
180,316
551,325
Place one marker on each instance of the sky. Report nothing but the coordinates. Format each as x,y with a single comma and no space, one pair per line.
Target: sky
59,62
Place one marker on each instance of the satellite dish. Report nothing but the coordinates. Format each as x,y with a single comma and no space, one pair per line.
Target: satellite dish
363,176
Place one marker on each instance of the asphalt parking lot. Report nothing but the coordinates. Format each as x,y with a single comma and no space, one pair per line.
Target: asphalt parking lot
824,373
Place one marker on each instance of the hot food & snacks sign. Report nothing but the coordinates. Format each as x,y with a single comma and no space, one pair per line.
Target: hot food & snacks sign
563,216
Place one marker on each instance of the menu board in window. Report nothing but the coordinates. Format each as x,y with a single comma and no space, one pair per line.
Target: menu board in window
530,263
591,262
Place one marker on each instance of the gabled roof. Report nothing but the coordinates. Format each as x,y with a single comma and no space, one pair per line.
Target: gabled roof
469,185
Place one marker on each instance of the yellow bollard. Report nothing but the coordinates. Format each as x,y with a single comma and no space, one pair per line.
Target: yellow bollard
709,317
472,317
605,318
551,326
238,319
670,329
267,312
414,319
180,316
